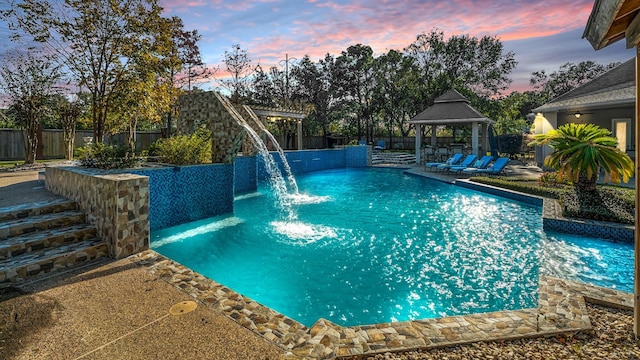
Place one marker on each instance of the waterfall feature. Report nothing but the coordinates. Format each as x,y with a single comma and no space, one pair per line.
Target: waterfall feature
275,177
285,163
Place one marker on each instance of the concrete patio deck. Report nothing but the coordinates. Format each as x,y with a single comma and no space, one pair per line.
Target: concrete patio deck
111,310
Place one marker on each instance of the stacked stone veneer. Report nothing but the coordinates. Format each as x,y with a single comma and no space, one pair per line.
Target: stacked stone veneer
117,204
204,109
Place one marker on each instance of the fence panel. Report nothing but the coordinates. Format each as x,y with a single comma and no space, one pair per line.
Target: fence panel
52,143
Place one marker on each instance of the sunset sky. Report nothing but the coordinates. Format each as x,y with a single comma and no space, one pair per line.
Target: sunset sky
542,34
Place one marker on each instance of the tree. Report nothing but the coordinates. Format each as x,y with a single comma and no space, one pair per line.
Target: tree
461,61
354,81
68,113
581,150
567,78
181,64
28,80
270,88
313,86
239,68
95,39
397,78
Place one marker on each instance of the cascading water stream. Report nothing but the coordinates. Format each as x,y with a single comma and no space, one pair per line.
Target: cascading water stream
285,163
275,177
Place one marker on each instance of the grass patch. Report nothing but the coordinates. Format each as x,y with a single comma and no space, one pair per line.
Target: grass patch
608,203
11,164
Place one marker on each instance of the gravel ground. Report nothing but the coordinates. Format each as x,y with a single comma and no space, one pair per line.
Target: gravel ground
612,338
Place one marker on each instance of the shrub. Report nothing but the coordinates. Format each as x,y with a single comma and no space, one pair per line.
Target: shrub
522,185
186,150
103,156
509,143
606,204
552,179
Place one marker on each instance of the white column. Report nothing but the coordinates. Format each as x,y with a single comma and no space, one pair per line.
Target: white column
474,138
299,134
434,139
418,143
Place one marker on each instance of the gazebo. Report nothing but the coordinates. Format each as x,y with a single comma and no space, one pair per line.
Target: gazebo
452,108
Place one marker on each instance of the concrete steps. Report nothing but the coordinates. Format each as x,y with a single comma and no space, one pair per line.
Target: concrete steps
40,238
380,158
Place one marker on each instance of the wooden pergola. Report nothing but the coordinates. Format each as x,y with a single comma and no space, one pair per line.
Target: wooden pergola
452,108
610,21
287,115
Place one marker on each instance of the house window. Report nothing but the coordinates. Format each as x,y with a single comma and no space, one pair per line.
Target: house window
622,132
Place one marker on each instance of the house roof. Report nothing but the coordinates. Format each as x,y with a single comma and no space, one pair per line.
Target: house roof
615,87
609,21
451,108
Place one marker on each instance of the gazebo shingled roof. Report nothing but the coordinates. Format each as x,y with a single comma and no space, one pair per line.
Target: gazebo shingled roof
451,108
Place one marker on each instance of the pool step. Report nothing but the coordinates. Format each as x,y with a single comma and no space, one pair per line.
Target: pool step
379,158
30,242
31,224
41,238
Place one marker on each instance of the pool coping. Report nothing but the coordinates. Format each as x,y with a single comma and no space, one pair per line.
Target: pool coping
561,309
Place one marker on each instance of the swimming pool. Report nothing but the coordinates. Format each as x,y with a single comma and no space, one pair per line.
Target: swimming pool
376,245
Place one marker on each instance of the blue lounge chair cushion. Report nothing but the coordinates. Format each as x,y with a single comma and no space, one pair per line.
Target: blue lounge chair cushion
479,164
451,161
497,168
466,163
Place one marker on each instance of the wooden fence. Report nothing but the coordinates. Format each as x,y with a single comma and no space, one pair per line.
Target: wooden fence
52,142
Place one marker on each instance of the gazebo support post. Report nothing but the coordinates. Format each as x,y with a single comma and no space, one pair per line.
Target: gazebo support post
418,143
485,140
474,137
299,134
434,139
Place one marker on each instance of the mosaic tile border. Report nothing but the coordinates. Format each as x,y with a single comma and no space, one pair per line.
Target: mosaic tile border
561,309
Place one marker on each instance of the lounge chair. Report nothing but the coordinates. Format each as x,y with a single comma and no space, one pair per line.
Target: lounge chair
381,145
478,164
497,168
453,160
466,162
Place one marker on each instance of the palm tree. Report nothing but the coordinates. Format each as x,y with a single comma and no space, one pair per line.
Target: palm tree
581,150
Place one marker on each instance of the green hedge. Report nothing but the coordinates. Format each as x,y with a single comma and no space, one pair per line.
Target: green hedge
527,186
610,203
106,157
186,150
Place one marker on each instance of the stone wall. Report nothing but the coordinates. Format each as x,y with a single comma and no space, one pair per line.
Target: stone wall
117,204
204,109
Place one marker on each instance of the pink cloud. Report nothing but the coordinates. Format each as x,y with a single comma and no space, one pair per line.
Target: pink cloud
269,29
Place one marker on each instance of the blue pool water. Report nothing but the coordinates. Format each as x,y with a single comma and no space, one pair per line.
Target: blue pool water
376,245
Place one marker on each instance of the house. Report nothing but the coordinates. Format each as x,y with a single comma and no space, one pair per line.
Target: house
607,101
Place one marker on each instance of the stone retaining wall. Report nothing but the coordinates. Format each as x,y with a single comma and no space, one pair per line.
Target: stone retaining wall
117,204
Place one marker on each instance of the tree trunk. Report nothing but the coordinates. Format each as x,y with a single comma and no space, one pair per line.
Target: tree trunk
586,184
